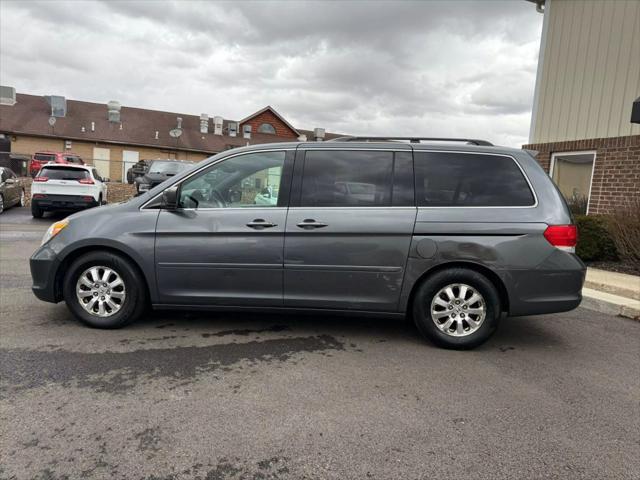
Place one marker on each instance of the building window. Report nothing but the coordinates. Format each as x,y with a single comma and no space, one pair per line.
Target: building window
267,128
572,173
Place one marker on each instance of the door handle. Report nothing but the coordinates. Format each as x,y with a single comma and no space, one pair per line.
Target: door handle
259,224
310,223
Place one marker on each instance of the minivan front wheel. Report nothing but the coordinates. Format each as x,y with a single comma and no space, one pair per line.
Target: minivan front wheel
104,290
457,308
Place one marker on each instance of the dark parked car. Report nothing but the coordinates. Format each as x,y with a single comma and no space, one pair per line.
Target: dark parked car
137,170
11,190
158,171
453,236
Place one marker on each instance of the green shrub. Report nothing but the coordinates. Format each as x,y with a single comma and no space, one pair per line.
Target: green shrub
594,238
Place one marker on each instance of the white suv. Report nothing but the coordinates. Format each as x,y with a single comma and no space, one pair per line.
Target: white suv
66,187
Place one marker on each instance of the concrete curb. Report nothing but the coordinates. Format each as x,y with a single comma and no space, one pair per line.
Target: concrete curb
608,303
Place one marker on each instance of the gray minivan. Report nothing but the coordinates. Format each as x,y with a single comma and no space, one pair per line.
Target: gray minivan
453,235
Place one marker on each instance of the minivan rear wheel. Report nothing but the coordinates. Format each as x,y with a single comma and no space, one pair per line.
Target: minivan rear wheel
104,290
457,308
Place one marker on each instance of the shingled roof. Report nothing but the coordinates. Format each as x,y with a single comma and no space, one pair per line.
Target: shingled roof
30,116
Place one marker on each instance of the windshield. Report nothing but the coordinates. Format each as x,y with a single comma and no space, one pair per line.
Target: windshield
57,173
169,168
44,157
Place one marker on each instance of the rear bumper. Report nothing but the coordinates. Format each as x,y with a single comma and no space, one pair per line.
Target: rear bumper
63,202
44,267
554,286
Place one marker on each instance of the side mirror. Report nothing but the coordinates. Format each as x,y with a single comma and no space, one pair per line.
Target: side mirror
170,198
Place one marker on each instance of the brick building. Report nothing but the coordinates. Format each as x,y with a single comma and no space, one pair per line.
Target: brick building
113,137
588,78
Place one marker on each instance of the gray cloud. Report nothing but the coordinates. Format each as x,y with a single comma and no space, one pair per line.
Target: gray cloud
463,68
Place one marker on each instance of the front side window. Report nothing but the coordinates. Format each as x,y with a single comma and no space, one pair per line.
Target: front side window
334,178
451,179
251,180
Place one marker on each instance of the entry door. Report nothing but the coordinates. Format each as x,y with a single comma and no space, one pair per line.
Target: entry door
101,157
348,238
224,244
129,159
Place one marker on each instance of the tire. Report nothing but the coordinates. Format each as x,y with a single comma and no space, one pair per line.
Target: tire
36,212
481,317
132,298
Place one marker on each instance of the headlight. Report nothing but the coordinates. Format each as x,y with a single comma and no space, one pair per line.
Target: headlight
54,230
143,187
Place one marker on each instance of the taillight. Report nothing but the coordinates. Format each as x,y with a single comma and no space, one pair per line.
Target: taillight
41,179
564,237
38,195
86,181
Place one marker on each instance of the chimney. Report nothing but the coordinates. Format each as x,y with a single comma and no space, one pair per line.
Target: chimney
217,125
318,134
246,131
113,108
204,123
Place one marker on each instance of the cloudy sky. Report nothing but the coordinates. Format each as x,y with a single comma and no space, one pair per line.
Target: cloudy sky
438,68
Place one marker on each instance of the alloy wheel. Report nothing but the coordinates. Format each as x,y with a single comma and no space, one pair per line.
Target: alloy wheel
458,310
101,291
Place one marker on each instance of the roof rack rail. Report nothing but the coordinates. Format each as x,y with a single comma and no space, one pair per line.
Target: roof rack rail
472,141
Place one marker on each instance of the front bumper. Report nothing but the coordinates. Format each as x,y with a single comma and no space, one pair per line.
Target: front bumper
44,266
63,202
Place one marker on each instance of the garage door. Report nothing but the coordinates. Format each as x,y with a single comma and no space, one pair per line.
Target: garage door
101,158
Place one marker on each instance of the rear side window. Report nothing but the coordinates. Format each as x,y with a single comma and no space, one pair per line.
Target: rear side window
347,179
44,157
450,179
61,173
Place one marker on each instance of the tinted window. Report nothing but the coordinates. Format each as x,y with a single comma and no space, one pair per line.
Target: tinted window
251,180
448,179
61,173
403,180
347,179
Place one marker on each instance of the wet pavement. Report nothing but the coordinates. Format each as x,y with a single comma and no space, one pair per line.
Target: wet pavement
182,395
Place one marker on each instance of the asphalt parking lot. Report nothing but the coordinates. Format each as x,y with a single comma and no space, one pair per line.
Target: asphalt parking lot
222,396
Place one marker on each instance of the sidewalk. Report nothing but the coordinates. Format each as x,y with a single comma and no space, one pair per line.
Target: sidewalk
612,293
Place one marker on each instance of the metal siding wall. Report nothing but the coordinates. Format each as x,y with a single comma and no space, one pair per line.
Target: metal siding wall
591,71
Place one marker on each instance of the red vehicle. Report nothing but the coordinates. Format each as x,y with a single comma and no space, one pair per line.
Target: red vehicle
39,159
